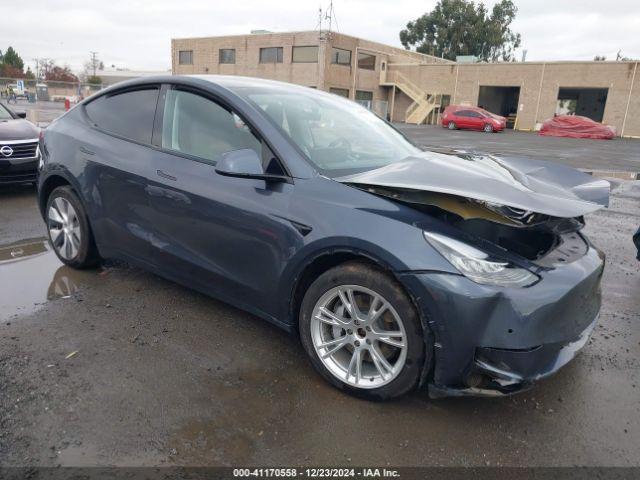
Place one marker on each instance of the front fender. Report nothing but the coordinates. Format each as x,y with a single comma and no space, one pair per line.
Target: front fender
354,247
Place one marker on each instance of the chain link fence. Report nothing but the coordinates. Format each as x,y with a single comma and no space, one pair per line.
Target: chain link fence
47,90
43,101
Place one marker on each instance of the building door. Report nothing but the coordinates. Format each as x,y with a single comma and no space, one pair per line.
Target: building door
587,102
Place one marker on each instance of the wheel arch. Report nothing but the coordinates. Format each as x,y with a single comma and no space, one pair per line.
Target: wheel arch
49,185
326,259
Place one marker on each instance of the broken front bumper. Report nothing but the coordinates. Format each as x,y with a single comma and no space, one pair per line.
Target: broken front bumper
498,341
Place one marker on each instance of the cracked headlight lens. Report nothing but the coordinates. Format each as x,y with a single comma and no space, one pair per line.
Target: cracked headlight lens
478,266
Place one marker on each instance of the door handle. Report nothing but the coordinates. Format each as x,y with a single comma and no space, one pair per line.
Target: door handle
162,174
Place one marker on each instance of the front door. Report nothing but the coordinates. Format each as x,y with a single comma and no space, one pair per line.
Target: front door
224,235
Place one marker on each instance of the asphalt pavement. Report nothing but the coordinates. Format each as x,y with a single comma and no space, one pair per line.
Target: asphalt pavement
619,154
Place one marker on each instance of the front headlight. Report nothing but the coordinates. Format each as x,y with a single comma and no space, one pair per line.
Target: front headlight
478,266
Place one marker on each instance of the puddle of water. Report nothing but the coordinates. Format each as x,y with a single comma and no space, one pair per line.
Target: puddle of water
31,275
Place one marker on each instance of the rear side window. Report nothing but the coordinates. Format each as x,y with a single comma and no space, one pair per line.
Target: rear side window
197,126
128,114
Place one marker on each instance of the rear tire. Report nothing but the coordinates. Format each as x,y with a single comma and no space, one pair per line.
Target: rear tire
452,126
69,230
376,353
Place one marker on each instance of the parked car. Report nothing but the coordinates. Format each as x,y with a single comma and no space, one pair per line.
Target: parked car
19,151
576,126
396,267
472,118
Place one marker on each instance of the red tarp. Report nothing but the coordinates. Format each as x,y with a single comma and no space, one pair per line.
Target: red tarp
575,126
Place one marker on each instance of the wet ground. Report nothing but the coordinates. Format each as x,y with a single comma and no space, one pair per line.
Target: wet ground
115,366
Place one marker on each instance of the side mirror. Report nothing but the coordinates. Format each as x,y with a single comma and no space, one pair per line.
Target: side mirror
245,163
21,114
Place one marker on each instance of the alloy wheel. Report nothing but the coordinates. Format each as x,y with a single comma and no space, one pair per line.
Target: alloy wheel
358,336
64,228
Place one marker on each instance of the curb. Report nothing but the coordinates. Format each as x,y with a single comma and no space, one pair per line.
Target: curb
613,174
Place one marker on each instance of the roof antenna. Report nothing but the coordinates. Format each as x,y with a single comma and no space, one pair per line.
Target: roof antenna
319,24
331,16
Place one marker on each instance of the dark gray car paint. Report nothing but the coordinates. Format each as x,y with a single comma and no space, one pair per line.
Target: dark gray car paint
249,241
532,185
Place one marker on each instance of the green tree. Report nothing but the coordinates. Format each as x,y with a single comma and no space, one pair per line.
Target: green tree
462,27
29,74
12,58
94,80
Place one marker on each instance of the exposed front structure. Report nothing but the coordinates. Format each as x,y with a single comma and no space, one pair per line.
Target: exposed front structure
411,87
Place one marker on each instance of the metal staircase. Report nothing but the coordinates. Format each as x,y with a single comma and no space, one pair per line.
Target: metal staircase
423,103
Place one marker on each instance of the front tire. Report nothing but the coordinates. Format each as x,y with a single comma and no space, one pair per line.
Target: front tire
362,332
452,126
69,231
488,128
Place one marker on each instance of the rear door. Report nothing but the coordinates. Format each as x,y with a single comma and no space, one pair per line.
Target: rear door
118,156
226,236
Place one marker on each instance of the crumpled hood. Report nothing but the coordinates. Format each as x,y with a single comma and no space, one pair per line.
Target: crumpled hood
533,185
18,129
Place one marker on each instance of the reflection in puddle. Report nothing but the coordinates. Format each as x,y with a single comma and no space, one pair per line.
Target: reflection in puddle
30,275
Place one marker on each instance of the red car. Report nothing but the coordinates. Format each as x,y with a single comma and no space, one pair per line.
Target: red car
473,118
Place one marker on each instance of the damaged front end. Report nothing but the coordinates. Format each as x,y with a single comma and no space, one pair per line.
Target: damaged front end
529,234
529,291
526,207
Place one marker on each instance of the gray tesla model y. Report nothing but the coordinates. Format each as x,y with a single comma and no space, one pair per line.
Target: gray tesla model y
396,267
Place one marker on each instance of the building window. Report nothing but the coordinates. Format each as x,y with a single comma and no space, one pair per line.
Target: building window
364,95
343,92
305,55
227,55
271,55
340,56
185,57
366,61
364,98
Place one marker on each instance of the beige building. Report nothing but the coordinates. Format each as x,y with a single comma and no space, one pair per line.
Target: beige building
411,87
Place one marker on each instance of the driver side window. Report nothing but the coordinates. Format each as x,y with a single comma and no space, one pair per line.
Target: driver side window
197,126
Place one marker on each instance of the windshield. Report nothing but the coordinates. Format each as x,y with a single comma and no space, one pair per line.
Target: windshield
4,113
338,136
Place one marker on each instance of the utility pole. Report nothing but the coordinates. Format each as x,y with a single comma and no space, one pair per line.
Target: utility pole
37,60
94,62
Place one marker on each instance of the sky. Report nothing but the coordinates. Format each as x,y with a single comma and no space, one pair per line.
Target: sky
136,34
